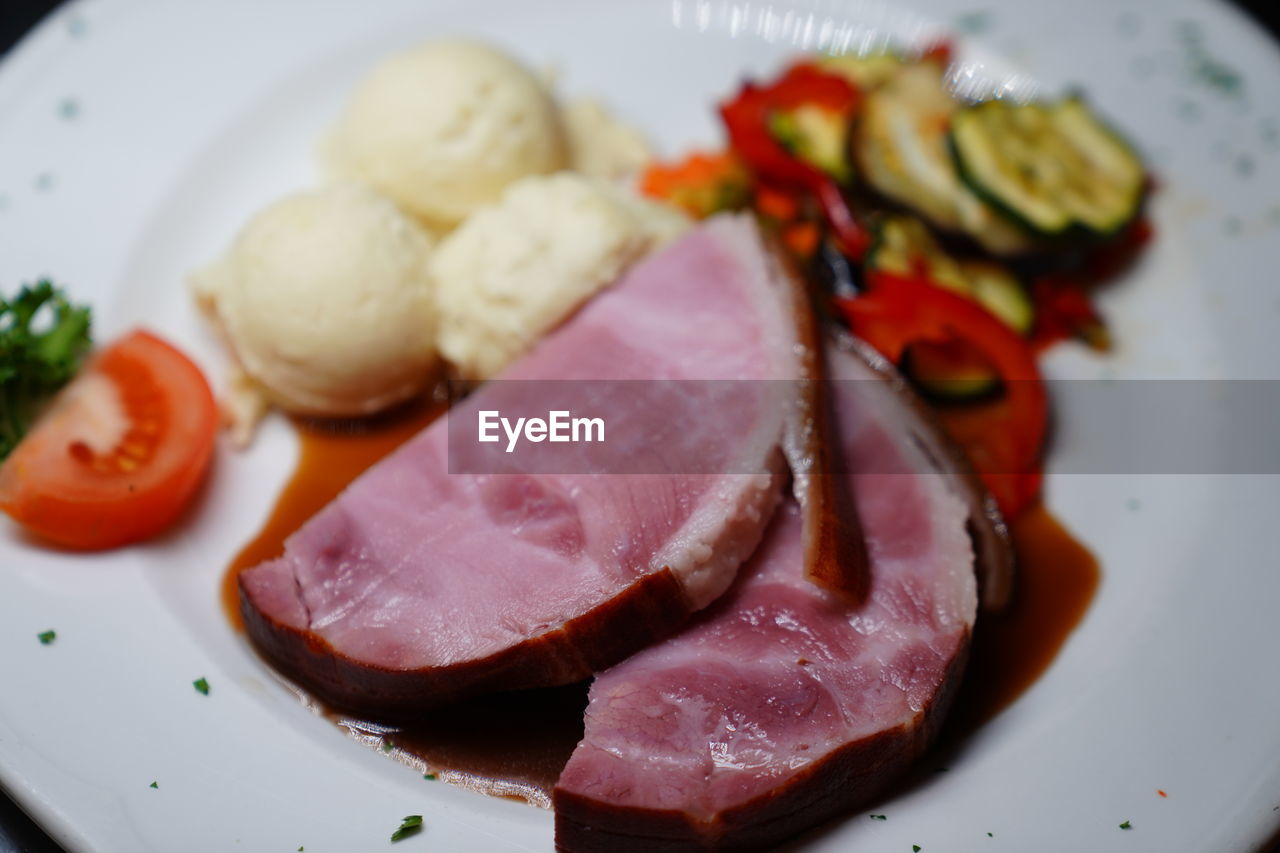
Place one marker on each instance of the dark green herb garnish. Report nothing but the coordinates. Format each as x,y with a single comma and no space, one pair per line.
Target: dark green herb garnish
1205,68
38,355
202,686
989,835
430,777
387,745
974,23
1126,825
1269,131
877,817
154,785
915,848
1128,25
47,637
411,825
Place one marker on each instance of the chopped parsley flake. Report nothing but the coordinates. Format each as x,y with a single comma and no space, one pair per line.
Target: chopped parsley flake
387,745
1128,25
411,825
877,817
915,848
154,785
299,848
1270,132
1189,110
1203,67
1126,825
974,23
989,835
47,637
430,777
202,686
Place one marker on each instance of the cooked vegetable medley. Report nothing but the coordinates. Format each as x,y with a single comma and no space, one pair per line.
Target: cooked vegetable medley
960,238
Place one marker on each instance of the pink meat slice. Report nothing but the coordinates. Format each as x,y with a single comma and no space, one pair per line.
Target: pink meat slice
781,705
417,586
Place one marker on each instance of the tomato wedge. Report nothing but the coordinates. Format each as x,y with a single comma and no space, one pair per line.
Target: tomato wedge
119,453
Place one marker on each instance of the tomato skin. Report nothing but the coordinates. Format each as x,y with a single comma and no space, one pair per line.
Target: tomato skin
58,489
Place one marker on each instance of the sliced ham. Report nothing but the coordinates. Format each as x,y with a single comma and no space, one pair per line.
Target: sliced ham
417,586
784,704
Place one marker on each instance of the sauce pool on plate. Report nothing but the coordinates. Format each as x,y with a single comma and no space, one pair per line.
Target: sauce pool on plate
332,454
487,746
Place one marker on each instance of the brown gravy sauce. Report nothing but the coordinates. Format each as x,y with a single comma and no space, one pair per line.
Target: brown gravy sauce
489,746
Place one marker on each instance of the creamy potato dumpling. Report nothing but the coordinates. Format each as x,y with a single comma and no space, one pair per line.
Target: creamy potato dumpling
442,129
325,300
328,298
515,270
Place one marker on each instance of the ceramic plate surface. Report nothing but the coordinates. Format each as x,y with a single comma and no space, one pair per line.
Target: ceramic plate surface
137,136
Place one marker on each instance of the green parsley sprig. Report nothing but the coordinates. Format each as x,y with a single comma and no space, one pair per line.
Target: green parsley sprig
411,825
36,357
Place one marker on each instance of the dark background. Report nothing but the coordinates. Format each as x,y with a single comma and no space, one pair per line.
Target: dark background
17,833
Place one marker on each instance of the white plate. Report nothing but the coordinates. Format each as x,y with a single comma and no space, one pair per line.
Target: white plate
137,136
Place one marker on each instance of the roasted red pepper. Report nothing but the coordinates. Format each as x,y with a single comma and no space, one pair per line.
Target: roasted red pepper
1005,439
747,120
1063,302
939,51
1062,311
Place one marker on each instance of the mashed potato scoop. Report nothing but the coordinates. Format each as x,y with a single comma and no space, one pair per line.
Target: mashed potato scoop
442,129
325,301
516,269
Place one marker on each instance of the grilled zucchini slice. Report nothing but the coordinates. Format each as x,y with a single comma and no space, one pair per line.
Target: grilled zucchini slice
1000,292
817,136
904,245
866,71
950,372
900,149
1056,168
